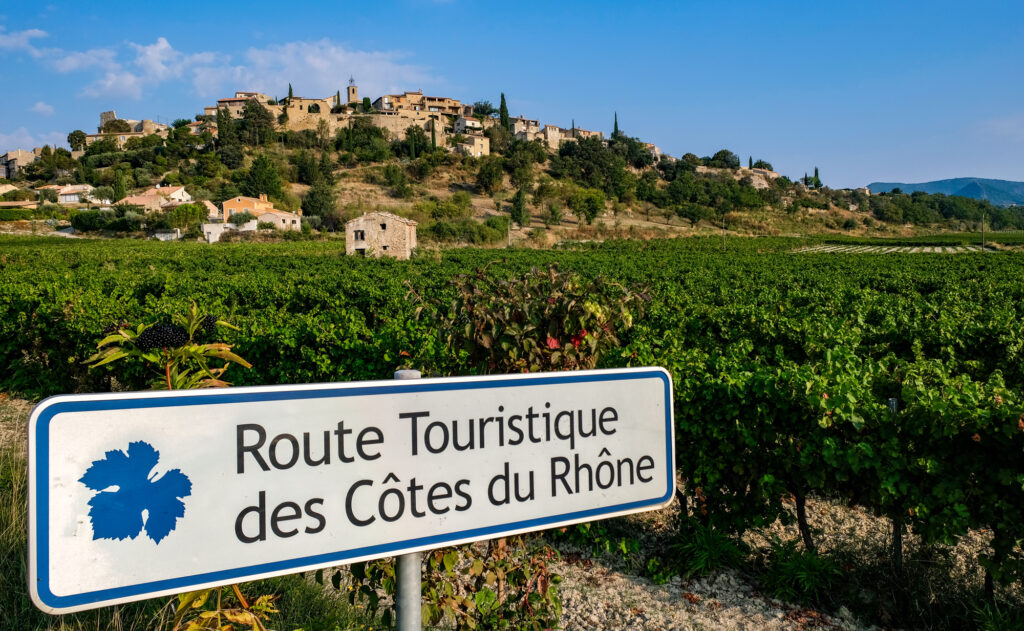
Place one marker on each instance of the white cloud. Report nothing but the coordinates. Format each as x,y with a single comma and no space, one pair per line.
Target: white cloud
21,138
158,61
104,58
21,40
41,108
115,84
315,69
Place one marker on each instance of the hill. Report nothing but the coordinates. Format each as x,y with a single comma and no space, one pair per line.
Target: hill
999,192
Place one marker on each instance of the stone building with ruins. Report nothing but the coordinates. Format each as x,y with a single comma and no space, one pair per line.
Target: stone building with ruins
417,102
379,234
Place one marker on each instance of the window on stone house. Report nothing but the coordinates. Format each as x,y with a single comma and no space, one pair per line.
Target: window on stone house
384,247
359,235
383,226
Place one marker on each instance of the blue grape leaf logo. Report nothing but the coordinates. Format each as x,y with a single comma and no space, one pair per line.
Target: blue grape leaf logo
125,489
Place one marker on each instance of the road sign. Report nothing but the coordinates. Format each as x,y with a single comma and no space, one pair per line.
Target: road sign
135,495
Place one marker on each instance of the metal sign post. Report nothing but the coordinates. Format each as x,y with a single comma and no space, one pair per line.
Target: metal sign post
410,568
134,495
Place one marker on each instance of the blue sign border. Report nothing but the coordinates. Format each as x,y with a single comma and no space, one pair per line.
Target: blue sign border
41,502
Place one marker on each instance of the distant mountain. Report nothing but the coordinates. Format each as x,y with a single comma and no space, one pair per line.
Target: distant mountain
999,192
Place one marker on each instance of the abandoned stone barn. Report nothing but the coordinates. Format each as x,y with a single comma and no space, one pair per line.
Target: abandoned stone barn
380,234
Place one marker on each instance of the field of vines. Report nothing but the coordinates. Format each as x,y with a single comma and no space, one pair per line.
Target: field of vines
891,382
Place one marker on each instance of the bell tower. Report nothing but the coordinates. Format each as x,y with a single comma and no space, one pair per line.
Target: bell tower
353,91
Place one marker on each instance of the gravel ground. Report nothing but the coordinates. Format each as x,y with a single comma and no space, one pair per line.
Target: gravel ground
596,597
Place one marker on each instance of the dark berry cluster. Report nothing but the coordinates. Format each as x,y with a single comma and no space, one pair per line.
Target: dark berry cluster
209,325
162,336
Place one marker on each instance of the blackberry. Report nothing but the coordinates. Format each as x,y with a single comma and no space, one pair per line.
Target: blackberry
209,325
162,336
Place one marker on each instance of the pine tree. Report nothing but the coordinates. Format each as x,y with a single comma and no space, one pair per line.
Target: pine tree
503,117
262,178
615,130
319,201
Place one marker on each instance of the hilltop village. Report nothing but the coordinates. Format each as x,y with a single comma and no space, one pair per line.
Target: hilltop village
403,169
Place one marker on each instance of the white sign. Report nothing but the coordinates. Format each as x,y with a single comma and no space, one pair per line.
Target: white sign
135,495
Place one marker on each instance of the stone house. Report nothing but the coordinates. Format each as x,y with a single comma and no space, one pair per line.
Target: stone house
245,204
476,145
552,136
171,193
524,128
464,125
379,234
12,162
234,105
74,193
213,231
417,102
148,203
281,219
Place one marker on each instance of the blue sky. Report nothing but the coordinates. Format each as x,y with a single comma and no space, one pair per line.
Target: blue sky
866,91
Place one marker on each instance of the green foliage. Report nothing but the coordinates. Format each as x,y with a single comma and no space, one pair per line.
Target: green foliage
319,201
587,203
502,584
591,164
796,575
782,363
490,174
241,218
115,126
367,142
262,178
518,212
503,117
724,159
15,214
540,321
181,365
257,125
76,140
484,108
464,231
702,549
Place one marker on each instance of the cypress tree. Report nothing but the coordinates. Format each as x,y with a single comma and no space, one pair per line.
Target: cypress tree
412,146
290,92
519,213
433,137
503,114
615,130
337,98
750,162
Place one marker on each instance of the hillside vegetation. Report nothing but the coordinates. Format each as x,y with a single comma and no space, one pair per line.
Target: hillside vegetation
558,194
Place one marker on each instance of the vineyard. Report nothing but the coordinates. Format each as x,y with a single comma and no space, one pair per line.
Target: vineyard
894,382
